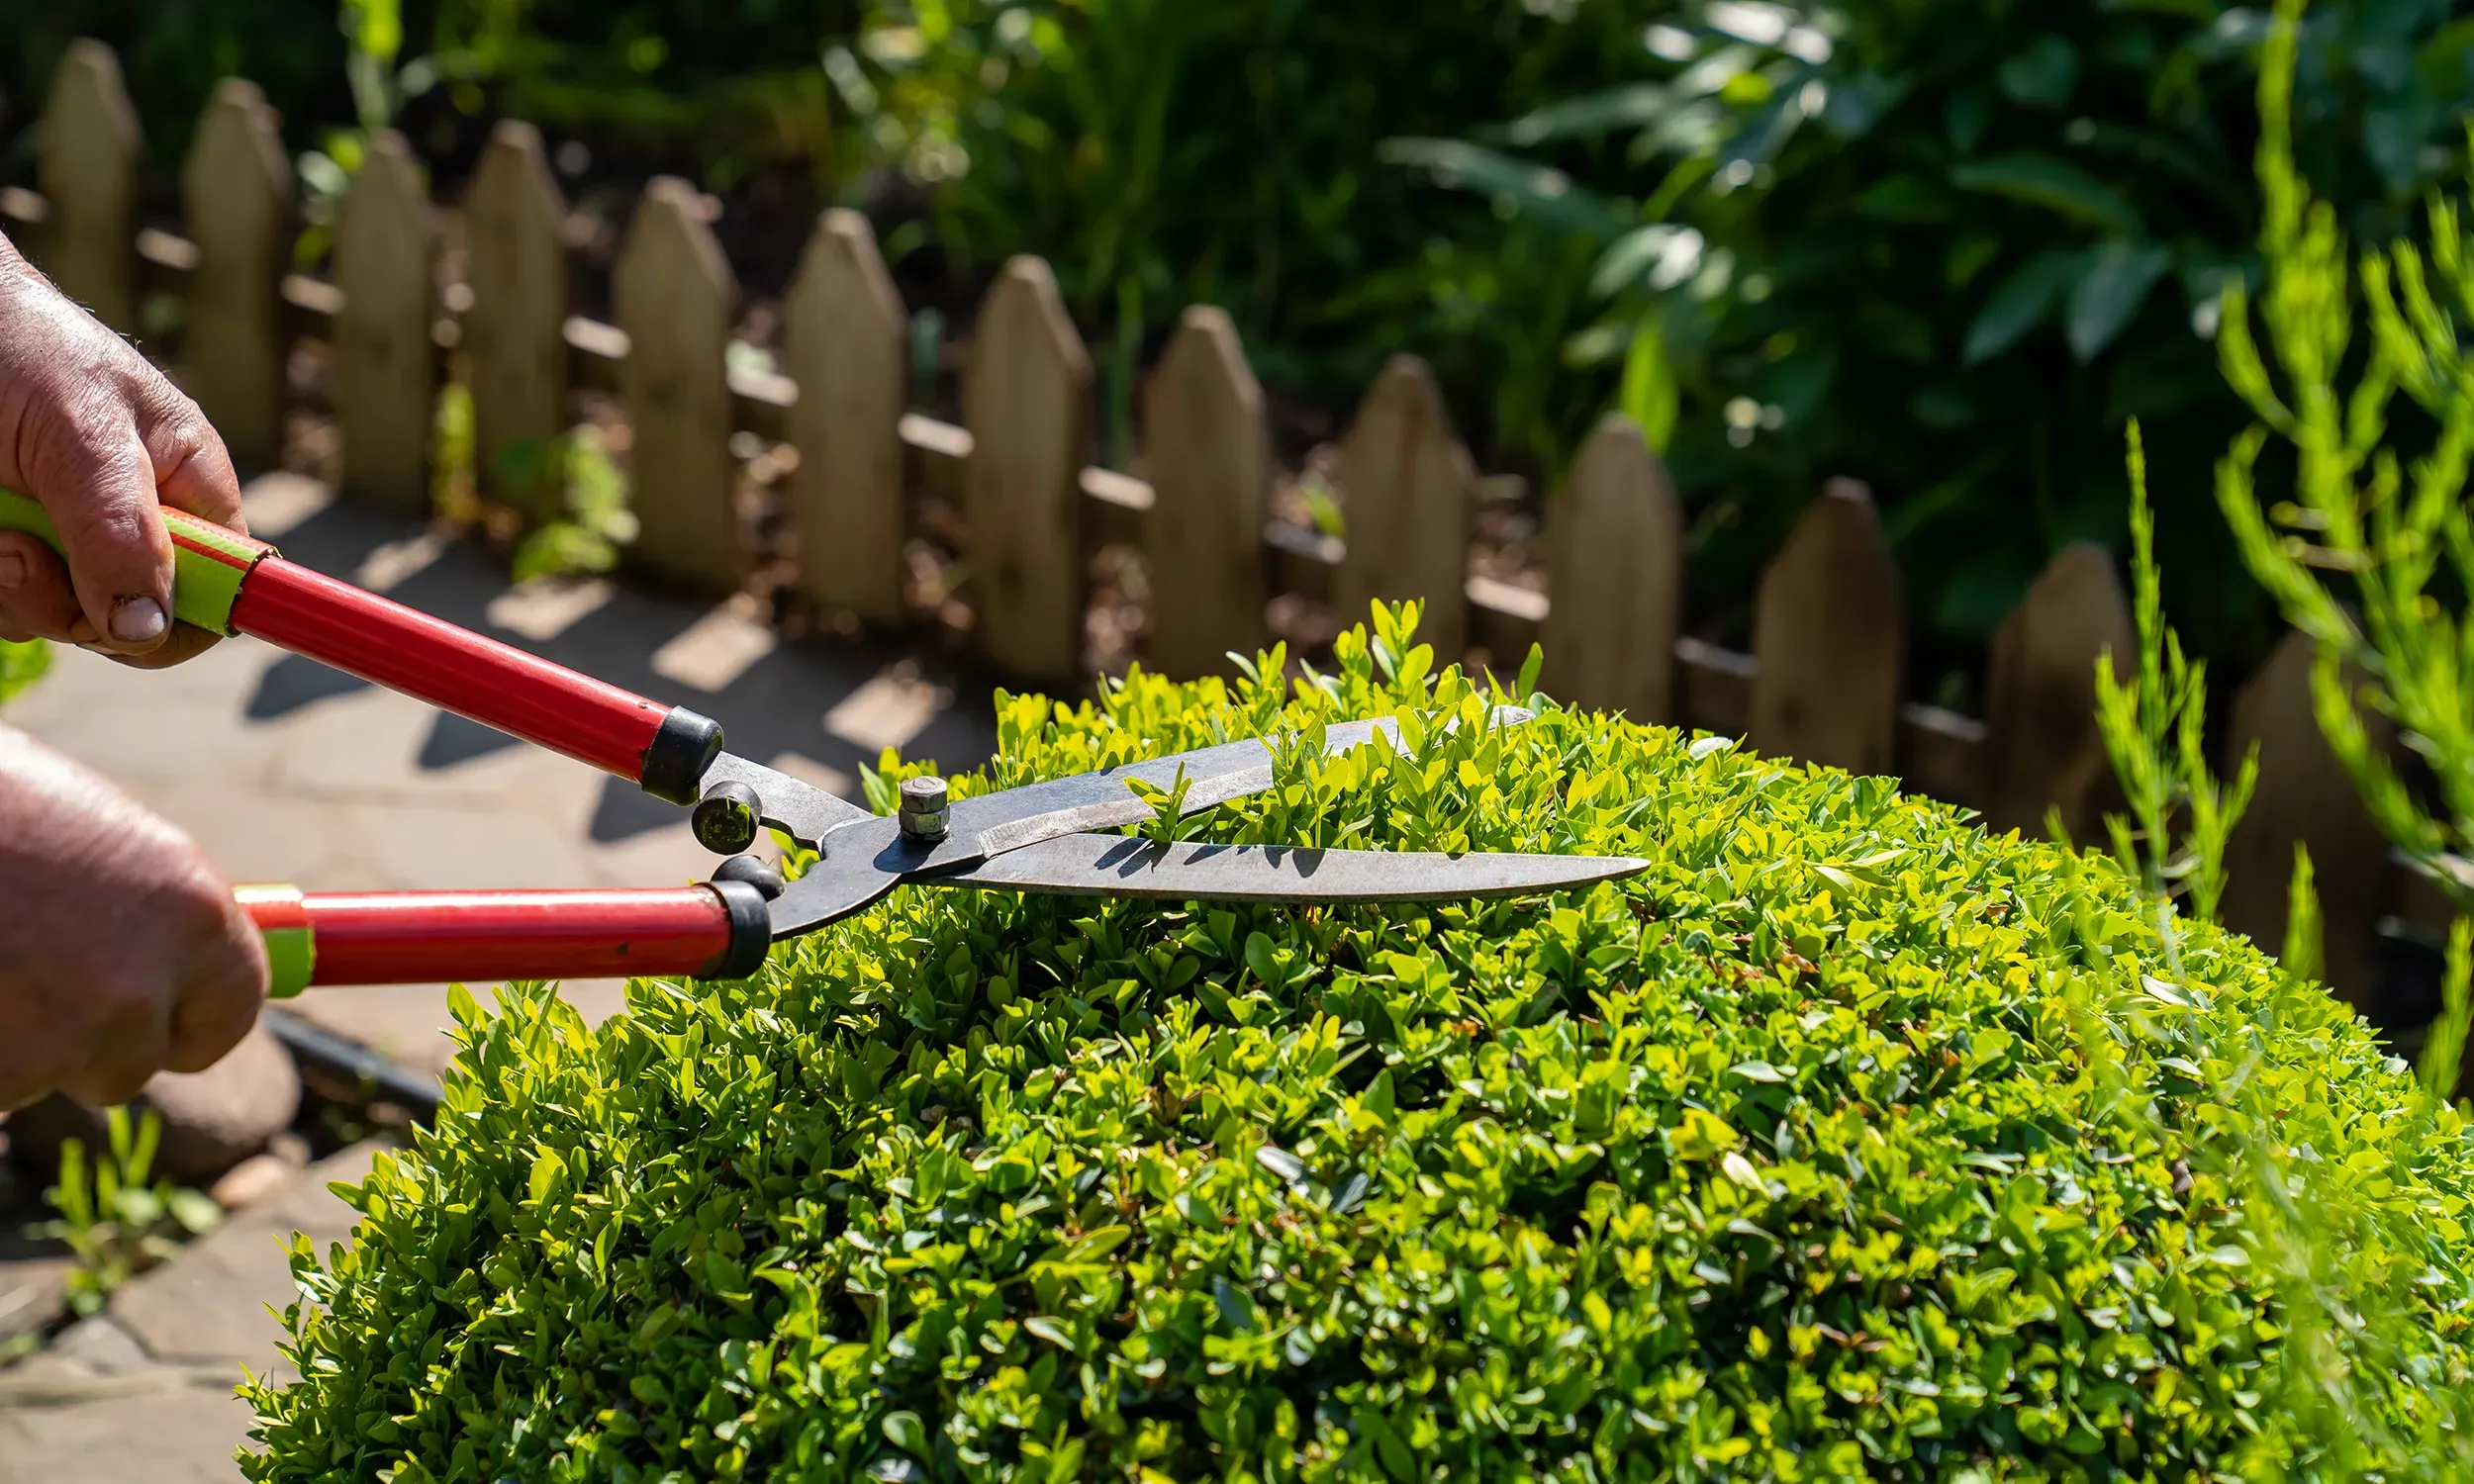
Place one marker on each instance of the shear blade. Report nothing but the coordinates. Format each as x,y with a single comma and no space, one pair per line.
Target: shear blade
1115,866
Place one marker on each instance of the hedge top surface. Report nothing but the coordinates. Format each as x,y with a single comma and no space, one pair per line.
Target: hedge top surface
1845,1142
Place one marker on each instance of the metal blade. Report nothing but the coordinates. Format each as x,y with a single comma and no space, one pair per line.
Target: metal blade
865,856
1114,865
866,860
995,823
802,812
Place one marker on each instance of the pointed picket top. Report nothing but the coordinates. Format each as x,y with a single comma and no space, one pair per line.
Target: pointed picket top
1027,399
386,384
516,264
1830,639
1209,451
91,145
238,189
2042,747
2305,795
1407,486
846,344
676,299
1615,539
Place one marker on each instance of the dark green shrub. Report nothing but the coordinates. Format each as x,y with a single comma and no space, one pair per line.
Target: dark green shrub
172,55
1950,246
1846,1141
1163,152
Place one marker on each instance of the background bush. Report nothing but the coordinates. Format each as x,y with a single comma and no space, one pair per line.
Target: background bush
1844,1141
1946,245
1950,246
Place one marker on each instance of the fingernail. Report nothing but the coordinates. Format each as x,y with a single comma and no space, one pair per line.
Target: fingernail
12,569
139,620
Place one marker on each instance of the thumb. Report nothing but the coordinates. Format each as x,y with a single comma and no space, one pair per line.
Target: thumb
102,500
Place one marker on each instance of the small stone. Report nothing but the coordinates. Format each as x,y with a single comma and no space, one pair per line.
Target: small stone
211,1119
252,1180
33,1294
99,1347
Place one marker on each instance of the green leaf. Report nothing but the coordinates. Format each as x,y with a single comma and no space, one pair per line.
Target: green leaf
1050,1330
1264,959
2019,303
2109,295
1701,1136
1540,191
2043,76
2053,184
1655,258
1634,105
1280,1162
1237,1310
904,1430
1651,396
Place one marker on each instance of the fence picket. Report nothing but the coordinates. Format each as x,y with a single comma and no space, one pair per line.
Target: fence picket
1616,565
1027,399
518,267
1210,463
91,142
237,187
2044,750
847,346
1407,486
386,380
1829,636
675,300
2305,794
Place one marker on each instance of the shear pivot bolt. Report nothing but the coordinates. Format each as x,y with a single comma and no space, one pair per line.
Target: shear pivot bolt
726,818
923,812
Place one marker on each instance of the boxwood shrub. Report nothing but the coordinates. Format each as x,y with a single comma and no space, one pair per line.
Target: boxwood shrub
1847,1141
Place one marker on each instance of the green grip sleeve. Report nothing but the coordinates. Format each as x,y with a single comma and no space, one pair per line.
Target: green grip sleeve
283,921
209,563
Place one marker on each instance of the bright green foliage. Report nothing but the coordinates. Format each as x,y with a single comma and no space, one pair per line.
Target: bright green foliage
2372,555
112,1220
2348,1319
1845,1142
2155,727
21,665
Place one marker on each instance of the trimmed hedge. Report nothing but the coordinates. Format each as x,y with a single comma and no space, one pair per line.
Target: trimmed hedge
1846,1141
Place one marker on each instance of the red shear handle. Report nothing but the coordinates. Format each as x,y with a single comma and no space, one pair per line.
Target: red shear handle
713,931
664,748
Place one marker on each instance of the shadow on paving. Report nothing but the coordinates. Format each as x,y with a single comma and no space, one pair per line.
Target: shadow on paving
775,705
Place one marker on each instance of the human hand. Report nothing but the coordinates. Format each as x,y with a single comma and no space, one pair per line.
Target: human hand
100,439
121,952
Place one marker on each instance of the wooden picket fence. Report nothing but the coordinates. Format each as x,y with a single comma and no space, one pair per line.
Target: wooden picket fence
1823,681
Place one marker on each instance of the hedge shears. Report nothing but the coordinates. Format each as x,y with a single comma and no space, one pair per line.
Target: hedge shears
1042,837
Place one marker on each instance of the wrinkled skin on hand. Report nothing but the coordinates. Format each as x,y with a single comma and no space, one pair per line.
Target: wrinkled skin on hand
98,437
122,953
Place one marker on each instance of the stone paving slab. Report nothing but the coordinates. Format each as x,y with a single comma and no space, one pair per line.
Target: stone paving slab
212,1302
286,771
155,1436
145,1391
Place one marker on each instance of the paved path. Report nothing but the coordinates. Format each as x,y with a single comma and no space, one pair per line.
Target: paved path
144,1392
287,771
